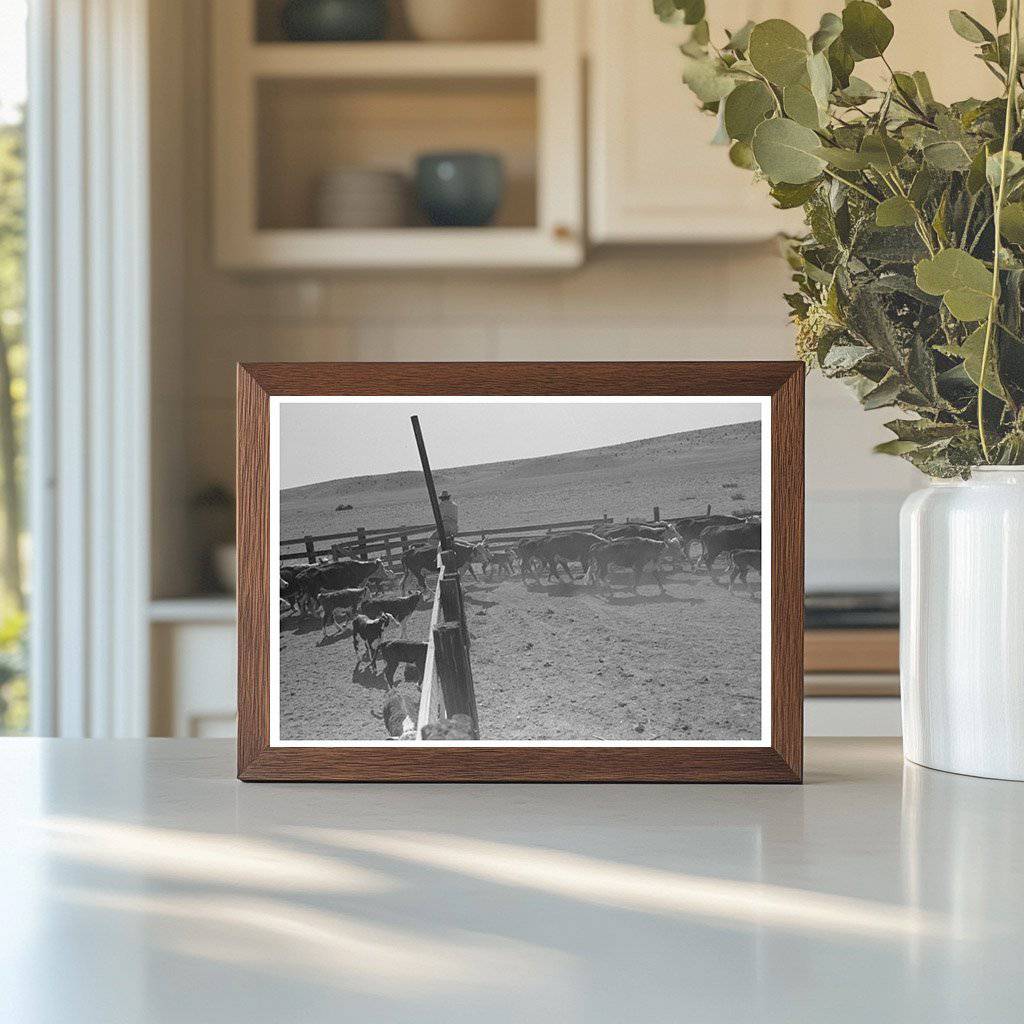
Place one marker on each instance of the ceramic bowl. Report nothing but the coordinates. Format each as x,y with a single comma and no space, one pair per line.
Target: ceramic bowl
470,20
333,21
460,189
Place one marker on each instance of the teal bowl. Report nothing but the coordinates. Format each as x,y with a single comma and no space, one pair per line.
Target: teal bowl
334,21
460,189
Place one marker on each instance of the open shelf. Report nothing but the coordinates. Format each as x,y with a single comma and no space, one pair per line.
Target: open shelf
285,114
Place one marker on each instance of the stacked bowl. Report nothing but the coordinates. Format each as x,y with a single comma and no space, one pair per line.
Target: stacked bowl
362,197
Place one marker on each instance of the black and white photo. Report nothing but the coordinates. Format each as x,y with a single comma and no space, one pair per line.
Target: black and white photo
609,554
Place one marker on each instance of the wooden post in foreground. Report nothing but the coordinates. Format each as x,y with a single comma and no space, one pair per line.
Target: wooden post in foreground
428,476
310,550
361,541
657,514
455,673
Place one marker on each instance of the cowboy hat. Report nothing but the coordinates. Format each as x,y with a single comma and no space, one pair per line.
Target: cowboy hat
444,496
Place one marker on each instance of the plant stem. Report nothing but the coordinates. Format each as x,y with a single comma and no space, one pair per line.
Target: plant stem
1011,108
853,185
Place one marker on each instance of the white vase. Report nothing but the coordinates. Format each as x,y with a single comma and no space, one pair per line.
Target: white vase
962,624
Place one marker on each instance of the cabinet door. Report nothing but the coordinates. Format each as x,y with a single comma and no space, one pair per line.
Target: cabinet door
654,177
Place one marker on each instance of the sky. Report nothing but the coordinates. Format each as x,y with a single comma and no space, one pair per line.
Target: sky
325,440
12,57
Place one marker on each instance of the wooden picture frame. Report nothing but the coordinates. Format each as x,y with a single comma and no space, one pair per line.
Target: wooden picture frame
778,760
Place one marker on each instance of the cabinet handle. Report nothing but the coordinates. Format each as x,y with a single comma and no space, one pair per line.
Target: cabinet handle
562,232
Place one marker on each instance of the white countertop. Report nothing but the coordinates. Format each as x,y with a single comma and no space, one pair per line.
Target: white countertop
140,882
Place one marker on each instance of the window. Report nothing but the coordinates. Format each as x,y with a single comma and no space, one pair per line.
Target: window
14,691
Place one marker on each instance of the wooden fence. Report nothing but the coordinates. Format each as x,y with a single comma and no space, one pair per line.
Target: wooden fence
448,673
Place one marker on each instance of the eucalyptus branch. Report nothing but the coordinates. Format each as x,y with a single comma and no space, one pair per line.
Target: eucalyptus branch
993,309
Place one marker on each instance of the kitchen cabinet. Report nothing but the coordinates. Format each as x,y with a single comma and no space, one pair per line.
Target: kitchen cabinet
654,177
287,114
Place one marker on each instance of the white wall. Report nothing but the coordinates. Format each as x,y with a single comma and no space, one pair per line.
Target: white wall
653,303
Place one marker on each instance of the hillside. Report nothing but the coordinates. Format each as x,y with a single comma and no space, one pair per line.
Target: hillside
680,472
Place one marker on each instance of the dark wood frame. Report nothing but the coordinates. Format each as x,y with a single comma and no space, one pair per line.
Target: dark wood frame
782,761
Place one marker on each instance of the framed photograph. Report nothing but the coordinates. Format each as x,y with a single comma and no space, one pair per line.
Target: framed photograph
578,572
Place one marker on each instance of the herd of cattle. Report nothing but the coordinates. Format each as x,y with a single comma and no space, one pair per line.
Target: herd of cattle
353,589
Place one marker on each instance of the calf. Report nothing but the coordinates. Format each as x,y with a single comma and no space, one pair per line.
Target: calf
636,553
559,549
343,574
369,631
719,540
331,602
399,717
399,652
382,578
458,727
741,562
529,552
501,560
400,607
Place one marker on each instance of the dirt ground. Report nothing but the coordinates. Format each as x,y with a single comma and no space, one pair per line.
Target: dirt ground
559,662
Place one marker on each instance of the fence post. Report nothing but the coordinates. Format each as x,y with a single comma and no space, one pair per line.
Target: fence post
361,541
657,514
709,508
456,673
310,551
387,551
405,543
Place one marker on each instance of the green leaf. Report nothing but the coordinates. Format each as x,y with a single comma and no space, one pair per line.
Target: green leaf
947,156
976,173
829,30
707,78
739,41
963,281
885,394
883,152
866,29
922,431
841,63
999,9
857,91
895,212
922,185
787,152
801,106
741,155
895,447
819,74
779,51
993,167
1012,224
788,196
924,88
745,108
690,12
844,159
971,352
969,28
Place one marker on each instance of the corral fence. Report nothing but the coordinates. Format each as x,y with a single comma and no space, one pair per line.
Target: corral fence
447,687
391,544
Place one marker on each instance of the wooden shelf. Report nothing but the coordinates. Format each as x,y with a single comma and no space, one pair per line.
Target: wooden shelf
852,650
393,60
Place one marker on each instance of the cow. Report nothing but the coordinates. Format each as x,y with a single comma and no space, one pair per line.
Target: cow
291,592
341,575
458,727
689,529
399,717
529,553
559,549
401,652
718,540
330,602
660,531
417,561
369,631
741,561
400,607
499,560
636,553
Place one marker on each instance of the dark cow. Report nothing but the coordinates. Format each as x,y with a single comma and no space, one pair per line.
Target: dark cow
741,561
559,549
369,631
718,540
330,602
402,652
290,589
400,607
399,716
341,575
636,553
661,531
689,529
417,561
529,552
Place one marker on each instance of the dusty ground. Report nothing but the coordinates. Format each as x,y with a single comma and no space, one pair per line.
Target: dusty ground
560,661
